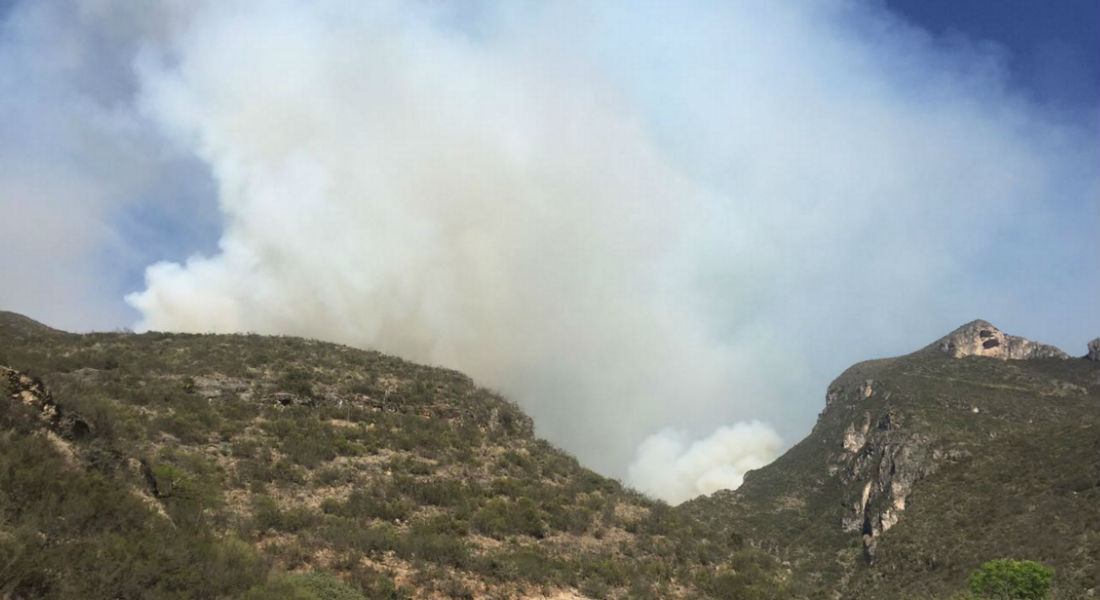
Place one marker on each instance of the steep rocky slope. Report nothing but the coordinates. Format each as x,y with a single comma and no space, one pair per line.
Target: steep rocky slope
203,466
921,467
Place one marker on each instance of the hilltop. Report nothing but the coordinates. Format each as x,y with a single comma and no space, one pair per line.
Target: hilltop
921,467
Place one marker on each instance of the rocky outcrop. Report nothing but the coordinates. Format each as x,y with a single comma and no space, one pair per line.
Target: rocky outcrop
920,462
879,462
31,393
1094,350
878,459
839,389
980,338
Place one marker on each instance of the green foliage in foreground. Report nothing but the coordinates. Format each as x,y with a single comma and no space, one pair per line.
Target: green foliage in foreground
72,533
1007,579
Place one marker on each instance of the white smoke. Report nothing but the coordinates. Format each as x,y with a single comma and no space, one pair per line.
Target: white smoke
669,466
495,207
599,211
626,216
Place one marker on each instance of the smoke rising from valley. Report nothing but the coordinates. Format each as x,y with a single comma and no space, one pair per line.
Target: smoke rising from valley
669,466
641,225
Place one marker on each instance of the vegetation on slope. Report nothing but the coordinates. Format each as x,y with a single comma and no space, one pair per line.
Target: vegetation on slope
1003,458
272,467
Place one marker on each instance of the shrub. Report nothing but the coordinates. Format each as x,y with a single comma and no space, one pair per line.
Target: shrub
304,586
266,514
1007,579
574,519
103,523
348,534
377,586
186,485
326,587
334,475
500,519
297,382
525,563
411,466
372,504
442,492
444,549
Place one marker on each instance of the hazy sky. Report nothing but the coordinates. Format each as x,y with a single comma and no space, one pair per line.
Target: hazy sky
661,227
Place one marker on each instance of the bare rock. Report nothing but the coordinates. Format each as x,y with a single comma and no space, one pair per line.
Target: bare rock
879,466
855,438
980,338
1094,350
850,393
30,392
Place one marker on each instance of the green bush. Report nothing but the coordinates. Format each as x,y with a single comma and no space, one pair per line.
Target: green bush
500,519
525,563
411,466
348,534
45,556
306,440
267,515
334,475
442,524
297,382
378,586
1007,579
371,504
572,519
186,485
441,492
443,549
303,586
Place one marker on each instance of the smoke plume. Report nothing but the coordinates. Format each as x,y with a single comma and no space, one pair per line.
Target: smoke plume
629,217
671,467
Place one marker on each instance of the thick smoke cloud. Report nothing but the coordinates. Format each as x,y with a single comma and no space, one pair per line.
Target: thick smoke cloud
670,466
627,217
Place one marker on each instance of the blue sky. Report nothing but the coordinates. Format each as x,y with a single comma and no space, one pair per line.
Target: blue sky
625,215
1052,49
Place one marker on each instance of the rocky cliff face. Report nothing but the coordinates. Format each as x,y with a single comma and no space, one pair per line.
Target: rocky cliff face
881,462
980,338
882,459
1094,350
878,463
921,467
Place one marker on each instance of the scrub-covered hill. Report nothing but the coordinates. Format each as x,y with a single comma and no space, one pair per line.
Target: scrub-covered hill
242,466
922,467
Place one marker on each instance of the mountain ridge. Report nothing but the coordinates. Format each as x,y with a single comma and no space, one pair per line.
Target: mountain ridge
286,466
840,502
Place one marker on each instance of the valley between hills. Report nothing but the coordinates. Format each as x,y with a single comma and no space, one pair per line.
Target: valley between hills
162,465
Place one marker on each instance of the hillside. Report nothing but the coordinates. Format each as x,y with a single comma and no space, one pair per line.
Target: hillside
242,466
922,467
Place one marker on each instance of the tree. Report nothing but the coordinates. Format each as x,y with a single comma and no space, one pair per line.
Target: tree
1007,579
